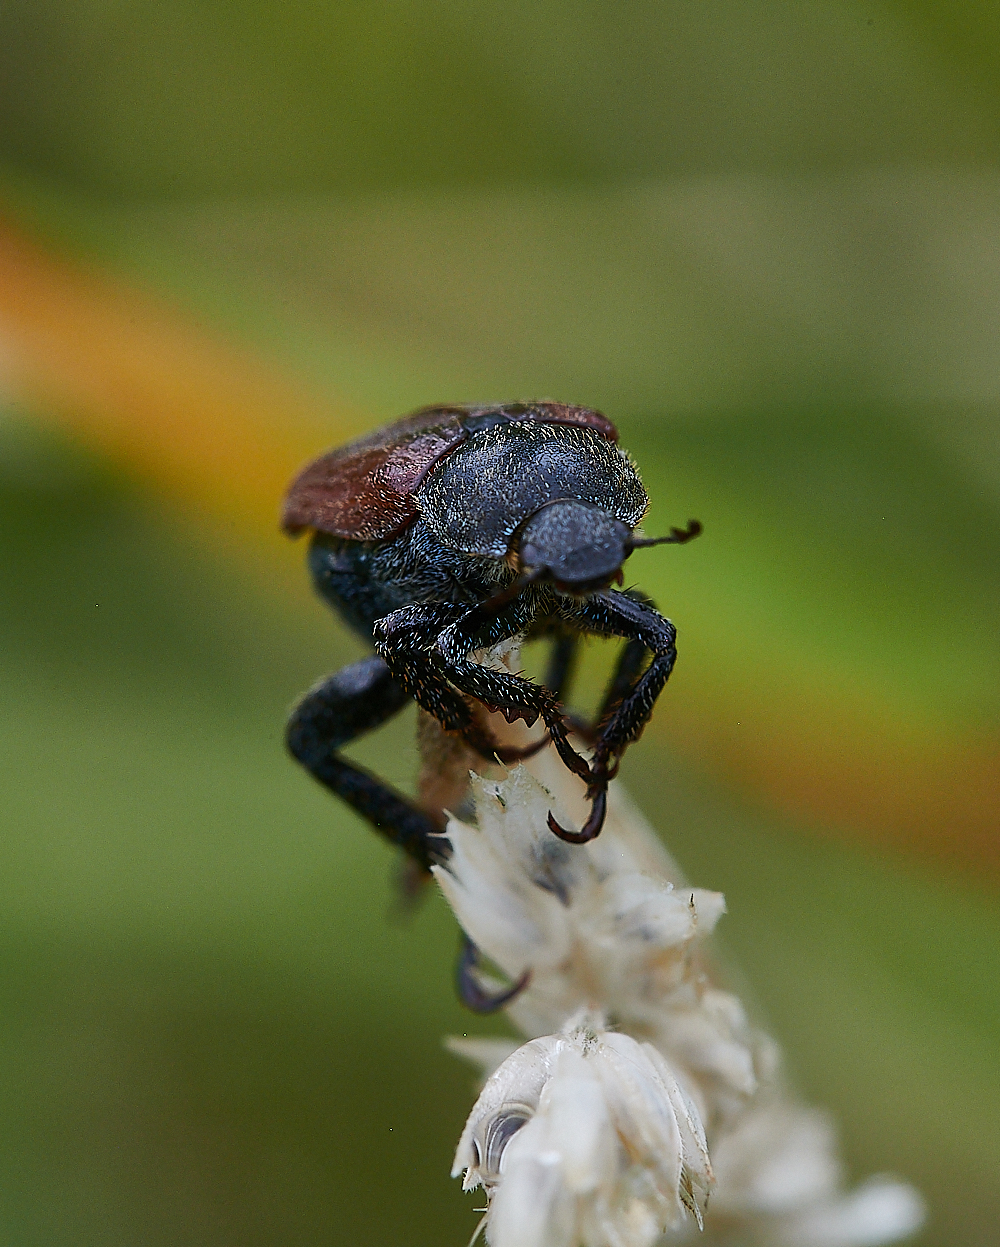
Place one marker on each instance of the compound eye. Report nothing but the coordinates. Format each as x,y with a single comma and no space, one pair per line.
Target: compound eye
499,1133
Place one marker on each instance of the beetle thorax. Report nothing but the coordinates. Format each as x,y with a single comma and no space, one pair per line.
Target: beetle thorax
478,497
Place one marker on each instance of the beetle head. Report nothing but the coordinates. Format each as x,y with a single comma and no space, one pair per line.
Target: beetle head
581,548
576,545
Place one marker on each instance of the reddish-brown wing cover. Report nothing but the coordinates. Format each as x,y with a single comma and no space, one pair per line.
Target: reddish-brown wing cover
364,491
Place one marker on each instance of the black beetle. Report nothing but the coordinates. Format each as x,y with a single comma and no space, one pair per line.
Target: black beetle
451,530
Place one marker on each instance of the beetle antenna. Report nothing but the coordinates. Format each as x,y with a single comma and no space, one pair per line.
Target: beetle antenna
678,536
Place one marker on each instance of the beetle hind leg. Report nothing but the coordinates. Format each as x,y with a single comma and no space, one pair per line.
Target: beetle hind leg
344,706
472,992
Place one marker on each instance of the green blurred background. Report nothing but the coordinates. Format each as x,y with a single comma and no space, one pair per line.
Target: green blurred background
765,238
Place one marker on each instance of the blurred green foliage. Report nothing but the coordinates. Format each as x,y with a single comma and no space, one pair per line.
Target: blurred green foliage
139,97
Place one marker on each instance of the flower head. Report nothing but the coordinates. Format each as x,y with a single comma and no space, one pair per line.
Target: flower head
598,1135
594,929
585,1137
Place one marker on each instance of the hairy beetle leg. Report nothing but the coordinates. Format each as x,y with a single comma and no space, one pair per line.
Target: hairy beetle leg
430,675
344,706
635,686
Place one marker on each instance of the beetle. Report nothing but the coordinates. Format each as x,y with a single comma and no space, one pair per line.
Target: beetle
447,532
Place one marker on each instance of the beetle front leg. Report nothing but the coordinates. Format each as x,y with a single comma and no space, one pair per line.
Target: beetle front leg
633,691
406,640
344,706
559,675
512,695
430,674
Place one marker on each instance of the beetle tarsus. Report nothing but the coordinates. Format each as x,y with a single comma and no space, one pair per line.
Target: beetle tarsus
591,829
489,748
471,991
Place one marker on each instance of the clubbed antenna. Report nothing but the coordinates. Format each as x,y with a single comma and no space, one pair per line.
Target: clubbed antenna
677,537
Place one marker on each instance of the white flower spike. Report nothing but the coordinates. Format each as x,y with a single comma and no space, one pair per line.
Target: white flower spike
643,1087
593,931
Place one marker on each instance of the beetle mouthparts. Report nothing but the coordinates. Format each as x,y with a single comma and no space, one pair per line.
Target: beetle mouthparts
678,536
